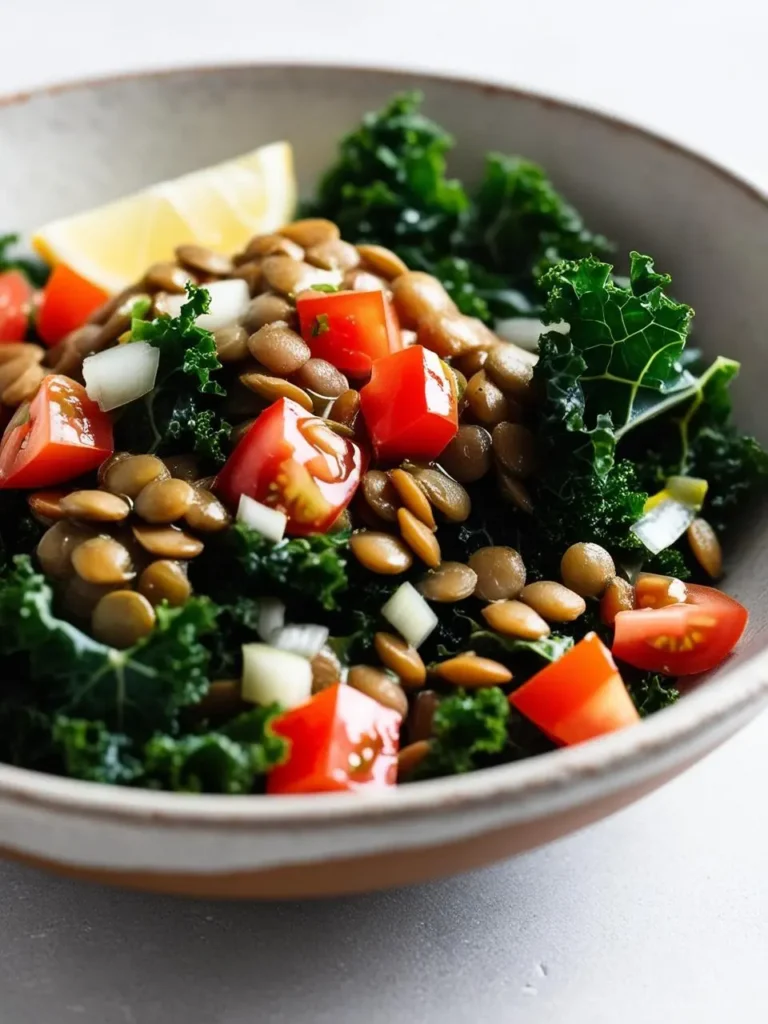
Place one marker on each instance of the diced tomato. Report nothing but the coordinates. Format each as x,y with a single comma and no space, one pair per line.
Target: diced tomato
681,639
15,304
292,461
340,740
409,405
579,697
67,302
348,329
58,436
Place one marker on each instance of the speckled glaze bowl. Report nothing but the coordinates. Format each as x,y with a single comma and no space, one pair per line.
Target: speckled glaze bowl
68,149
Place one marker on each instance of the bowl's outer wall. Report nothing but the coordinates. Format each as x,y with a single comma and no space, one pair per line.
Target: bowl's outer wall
69,150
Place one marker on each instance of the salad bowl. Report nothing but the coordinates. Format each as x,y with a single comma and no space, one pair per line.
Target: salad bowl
706,227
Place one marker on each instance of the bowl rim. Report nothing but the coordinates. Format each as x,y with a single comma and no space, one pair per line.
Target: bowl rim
583,771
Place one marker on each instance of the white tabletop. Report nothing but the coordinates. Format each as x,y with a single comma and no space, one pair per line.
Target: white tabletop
660,913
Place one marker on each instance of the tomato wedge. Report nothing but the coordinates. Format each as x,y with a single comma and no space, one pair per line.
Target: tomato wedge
681,639
579,697
340,740
292,461
15,304
349,329
409,405
58,436
67,302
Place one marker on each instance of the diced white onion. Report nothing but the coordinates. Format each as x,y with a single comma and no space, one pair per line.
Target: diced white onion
663,524
271,618
229,302
305,639
526,330
270,522
275,677
121,374
410,614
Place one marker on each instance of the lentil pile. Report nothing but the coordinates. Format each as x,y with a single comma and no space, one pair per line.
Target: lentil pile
331,538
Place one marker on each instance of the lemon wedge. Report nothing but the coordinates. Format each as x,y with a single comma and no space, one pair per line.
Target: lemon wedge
220,207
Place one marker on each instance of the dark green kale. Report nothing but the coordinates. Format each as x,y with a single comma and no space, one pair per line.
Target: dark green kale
468,729
650,691
35,270
89,751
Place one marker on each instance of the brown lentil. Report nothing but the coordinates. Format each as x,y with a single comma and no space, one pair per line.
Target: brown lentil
619,596
656,591
165,580
445,493
513,618
453,334
289,277
203,259
272,245
416,295
182,467
380,260
281,350
470,670
130,474
450,582
206,513
118,323
272,388
310,231
500,573
362,281
587,569
421,715
102,313
12,369
412,496
380,552
326,670
322,378
122,618
10,351
340,428
165,277
553,601
346,408
164,501
46,505
471,362
239,432
706,548
102,560
25,386
80,597
509,372
267,309
167,541
333,255
515,492
419,538
467,456
488,404
94,506
410,757
55,547
253,276
404,660
222,700
380,495
231,343
379,686
515,448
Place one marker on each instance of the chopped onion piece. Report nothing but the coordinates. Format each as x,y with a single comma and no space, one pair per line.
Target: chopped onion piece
664,524
121,374
410,614
229,302
270,522
271,618
304,640
525,331
275,677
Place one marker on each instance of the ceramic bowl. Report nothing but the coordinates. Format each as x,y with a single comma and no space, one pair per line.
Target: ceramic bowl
67,149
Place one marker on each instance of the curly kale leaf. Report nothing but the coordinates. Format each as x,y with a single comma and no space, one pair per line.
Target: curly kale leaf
202,431
650,691
91,752
468,729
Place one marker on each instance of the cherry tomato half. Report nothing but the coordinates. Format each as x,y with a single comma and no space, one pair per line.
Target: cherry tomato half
340,740
58,436
67,302
292,461
15,304
349,329
681,639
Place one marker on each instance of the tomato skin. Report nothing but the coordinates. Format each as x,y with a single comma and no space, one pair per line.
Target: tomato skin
341,739
15,304
354,329
409,405
681,639
67,302
58,436
578,697
291,461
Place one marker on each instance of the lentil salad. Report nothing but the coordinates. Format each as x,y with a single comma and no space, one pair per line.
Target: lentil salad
384,495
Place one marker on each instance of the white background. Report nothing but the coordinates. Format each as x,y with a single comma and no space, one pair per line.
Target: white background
660,913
